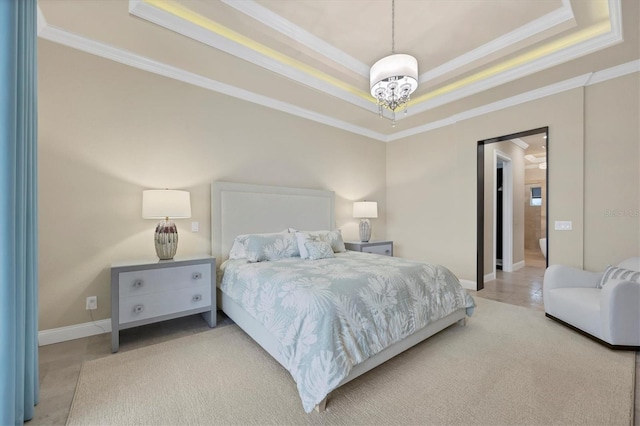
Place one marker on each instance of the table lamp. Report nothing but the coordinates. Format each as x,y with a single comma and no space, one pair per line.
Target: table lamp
166,204
365,210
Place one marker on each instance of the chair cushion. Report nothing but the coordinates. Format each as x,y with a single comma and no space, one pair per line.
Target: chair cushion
617,273
579,307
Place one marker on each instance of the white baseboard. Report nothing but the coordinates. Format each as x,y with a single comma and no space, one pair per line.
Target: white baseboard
490,277
78,331
469,285
517,265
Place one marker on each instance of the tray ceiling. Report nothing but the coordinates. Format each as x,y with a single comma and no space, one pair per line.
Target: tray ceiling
313,56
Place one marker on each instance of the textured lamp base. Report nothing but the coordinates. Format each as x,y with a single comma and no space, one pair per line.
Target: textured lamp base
166,240
365,230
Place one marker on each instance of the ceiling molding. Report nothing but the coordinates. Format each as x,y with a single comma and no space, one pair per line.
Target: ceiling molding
106,51
531,95
564,55
534,159
298,34
331,86
75,41
615,72
562,86
535,27
41,22
186,28
519,142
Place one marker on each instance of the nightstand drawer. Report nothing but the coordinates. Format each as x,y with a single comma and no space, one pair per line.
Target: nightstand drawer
161,280
136,308
384,249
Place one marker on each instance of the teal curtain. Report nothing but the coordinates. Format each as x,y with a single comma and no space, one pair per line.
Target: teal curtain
18,211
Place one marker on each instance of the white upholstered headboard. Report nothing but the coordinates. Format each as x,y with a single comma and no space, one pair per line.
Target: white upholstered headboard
238,208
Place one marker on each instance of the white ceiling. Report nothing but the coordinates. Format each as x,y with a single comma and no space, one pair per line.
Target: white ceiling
311,57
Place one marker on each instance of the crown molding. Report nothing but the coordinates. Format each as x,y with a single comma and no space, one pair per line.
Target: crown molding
300,35
140,62
181,26
519,142
533,159
84,44
531,29
40,21
151,13
614,72
573,52
531,95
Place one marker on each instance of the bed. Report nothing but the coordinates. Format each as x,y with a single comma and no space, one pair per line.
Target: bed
331,319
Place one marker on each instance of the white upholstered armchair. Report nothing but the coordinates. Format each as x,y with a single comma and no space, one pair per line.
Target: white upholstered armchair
604,305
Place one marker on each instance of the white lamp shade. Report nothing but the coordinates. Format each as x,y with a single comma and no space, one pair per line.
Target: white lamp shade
395,65
162,203
365,209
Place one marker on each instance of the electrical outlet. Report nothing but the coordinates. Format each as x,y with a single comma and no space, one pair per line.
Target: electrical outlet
92,303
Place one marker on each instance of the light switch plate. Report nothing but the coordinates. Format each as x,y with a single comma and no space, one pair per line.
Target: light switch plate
563,225
195,226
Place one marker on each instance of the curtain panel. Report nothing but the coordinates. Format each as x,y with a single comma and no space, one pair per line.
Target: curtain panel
18,211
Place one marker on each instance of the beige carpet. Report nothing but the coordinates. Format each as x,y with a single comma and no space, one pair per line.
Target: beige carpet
509,365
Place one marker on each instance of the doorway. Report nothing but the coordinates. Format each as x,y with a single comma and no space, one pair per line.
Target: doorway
488,229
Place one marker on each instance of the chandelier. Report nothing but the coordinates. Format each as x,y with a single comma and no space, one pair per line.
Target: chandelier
393,78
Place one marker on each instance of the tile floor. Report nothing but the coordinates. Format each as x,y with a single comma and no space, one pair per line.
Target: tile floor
60,363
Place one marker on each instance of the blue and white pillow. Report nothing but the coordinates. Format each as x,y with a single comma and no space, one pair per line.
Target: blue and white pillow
264,247
334,238
237,248
318,250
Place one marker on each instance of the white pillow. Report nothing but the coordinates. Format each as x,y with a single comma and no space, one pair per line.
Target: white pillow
617,273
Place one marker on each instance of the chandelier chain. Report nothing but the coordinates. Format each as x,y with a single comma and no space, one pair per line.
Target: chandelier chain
393,26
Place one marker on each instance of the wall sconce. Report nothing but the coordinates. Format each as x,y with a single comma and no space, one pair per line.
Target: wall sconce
166,204
365,210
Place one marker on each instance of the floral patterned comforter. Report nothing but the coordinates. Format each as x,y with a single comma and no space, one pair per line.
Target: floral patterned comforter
332,314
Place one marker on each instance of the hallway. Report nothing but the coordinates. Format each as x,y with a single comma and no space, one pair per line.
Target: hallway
522,287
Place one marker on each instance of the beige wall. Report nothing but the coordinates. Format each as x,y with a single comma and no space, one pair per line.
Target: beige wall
108,131
516,155
612,164
433,176
593,179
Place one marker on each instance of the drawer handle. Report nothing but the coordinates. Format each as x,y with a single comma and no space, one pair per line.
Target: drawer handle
196,275
197,298
138,309
387,251
138,283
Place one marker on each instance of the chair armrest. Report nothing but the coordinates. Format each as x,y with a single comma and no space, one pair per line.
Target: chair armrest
620,312
559,276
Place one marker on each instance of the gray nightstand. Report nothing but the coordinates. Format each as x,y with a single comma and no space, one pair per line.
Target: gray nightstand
144,292
377,247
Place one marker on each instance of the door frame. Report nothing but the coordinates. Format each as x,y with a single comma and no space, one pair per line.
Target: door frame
480,197
507,211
